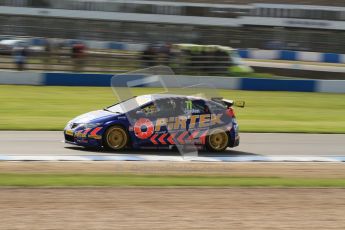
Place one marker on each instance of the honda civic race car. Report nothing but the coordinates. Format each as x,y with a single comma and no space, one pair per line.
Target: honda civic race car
158,121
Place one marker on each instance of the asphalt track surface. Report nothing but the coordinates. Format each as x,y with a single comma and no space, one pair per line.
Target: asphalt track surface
51,143
298,66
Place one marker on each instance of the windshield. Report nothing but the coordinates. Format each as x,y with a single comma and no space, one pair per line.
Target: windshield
130,104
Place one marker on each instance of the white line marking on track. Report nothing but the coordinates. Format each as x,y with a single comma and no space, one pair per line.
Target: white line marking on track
129,157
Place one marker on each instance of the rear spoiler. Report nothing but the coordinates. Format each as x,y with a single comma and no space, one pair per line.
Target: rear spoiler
229,103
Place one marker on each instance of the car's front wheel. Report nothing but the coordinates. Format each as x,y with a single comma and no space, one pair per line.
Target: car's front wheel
217,140
116,138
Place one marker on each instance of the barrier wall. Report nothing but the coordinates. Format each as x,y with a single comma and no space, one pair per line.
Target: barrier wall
20,78
290,55
79,79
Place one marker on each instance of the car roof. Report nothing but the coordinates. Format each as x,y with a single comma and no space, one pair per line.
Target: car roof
157,96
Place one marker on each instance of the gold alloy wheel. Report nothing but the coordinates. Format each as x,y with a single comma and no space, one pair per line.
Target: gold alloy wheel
116,138
218,140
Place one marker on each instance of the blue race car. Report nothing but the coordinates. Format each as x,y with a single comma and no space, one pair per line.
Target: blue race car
158,121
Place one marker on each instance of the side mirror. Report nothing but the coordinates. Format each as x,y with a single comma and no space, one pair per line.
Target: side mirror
239,104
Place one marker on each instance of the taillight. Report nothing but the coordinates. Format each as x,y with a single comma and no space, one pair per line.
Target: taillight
230,112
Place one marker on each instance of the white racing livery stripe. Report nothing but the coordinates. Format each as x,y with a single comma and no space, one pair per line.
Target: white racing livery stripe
235,158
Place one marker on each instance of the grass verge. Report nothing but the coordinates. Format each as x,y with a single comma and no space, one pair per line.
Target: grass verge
50,108
39,180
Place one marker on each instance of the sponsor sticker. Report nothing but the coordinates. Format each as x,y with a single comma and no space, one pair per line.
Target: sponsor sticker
69,132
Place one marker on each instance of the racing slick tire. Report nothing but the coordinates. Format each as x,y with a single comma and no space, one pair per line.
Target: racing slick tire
115,138
217,140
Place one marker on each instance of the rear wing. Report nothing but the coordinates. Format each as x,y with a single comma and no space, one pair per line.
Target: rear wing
229,103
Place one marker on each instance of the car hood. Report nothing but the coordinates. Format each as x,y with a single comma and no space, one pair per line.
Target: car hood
93,116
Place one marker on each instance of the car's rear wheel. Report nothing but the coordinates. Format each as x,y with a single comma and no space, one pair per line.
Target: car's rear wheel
116,138
217,140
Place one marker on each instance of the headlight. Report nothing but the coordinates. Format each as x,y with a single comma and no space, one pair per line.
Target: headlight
69,125
89,125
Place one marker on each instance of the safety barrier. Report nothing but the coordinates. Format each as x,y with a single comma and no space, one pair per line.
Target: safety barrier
86,79
290,55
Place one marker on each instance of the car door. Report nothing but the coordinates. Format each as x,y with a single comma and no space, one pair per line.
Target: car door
171,122
154,123
143,121
198,120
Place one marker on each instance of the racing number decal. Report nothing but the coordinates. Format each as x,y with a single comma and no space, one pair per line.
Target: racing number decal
189,105
143,128
189,108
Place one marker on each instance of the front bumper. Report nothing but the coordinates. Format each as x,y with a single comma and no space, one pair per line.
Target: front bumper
70,142
84,137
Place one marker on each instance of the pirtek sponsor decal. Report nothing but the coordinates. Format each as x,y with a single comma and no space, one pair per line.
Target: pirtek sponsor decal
144,128
195,121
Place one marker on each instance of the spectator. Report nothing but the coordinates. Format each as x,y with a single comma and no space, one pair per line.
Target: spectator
78,55
148,57
47,57
166,54
20,54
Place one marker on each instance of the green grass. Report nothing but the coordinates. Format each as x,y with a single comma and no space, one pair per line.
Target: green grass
261,75
50,108
35,180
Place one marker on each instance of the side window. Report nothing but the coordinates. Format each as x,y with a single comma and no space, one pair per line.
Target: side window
199,106
149,109
169,107
178,106
164,107
215,106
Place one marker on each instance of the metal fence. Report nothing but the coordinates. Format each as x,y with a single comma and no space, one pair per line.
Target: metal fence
107,62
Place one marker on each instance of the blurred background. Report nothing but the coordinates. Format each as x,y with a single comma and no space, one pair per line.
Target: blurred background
220,37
